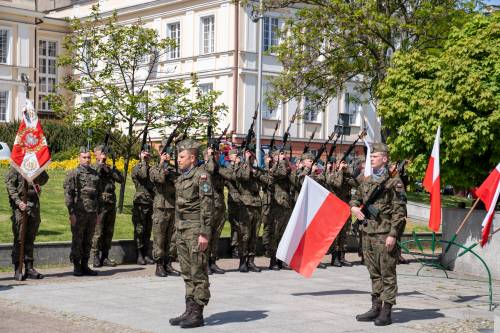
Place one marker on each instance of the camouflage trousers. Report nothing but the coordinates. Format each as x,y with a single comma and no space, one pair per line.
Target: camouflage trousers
266,227
103,234
340,243
218,219
163,230
278,220
32,225
194,265
82,232
143,223
233,211
381,265
247,229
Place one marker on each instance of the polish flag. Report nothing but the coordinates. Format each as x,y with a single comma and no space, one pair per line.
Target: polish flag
432,185
488,193
316,220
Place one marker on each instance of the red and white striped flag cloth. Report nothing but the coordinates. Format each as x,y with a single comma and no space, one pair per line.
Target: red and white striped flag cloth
30,153
316,220
488,193
432,184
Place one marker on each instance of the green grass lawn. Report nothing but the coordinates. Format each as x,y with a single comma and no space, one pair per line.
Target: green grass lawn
447,201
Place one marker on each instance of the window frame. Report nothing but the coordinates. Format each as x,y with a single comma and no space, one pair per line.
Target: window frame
268,35
7,105
211,41
44,105
177,49
8,57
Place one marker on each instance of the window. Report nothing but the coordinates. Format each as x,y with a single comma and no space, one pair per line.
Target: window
206,87
4,100
4,46
174,32
208,34
47,79
310,111
352,108
271,28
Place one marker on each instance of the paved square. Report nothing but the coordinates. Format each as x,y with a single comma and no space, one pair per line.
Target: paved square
129,298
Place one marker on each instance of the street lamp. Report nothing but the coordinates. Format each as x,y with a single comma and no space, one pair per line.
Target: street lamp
257,18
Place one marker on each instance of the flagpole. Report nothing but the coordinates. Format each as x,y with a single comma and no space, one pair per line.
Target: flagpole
462,225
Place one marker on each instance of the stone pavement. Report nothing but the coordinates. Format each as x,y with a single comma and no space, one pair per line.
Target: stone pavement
129,298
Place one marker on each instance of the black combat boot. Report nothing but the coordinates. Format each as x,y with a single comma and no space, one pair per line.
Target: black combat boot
194,318
105,261
384,318
322,265
235,253
373,312
214,268
177,320
77,268
160,268
283,265
209,271
273,264
96,261
140,258
252,267
31,272
86,270
343,261
243,265
18,275
169,269
336,259
147,257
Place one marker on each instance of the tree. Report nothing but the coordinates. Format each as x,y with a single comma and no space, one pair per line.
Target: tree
457,88
327,43
115,68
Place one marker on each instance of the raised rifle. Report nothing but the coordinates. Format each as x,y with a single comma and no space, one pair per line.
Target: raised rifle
251,132
306,147
332,149
352,145
321,150
107,147
287,132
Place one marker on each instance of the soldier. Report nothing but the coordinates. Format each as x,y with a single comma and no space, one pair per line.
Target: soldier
163,177
103,235
142,212
193,219
385,212
212,167
248,227
267,223
340,182
81,195
15,190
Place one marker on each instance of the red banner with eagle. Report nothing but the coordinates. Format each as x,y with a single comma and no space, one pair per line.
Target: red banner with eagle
30,153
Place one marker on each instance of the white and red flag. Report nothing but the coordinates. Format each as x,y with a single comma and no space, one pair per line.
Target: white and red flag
432,185
488,193
30,154
316,220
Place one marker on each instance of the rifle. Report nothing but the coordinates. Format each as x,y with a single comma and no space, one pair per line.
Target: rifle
107,148
367,208
306,147
251,132
287,132
332,149
351,147
321,150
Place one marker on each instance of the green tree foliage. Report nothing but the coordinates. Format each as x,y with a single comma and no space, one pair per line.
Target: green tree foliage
116,67
457,88
329,42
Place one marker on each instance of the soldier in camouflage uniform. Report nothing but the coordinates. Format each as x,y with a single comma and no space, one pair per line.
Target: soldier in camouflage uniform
248,227
194,208
340,182
142,211
382,221
15,190
163,177
81,195
267,223
103,235
212,167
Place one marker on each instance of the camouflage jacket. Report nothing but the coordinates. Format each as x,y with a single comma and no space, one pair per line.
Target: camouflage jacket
279,174
248,185
229,175
81,190
213,168
164,186
107,177
341,183
390,204
15,188
143,185
194,201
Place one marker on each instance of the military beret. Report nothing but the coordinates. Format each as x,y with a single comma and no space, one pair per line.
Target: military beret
233,151
379,148
84,150
188,144
307,156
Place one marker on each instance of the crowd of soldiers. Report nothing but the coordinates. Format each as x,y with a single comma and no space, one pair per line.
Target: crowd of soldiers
182,205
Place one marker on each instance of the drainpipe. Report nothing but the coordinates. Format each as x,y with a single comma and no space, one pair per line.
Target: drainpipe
236,56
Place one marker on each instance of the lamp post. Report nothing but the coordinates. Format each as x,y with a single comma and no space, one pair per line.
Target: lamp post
257,17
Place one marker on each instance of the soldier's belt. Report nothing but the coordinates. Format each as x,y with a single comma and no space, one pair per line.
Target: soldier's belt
189,216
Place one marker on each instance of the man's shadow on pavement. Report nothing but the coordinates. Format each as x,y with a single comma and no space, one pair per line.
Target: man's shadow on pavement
108,272
348,292
404,315
222,318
